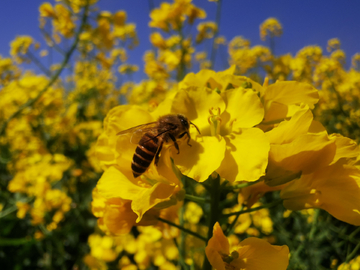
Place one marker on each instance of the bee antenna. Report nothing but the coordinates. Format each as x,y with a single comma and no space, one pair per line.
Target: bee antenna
195,127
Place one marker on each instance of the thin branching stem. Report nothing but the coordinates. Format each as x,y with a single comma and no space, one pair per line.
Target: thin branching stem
196,199
36,61
268,205
183,229
353,253
214,212
243,185
231,226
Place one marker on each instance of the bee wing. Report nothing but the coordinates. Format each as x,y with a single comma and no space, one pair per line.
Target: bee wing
137,132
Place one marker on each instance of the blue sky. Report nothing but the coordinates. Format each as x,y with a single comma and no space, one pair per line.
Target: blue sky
305,22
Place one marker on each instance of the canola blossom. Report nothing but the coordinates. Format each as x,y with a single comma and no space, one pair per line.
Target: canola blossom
248,132
250,254
263,174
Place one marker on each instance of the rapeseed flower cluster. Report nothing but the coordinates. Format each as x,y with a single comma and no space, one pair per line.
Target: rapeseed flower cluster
261,171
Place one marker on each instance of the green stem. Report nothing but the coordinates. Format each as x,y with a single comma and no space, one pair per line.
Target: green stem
196,199
38,63
31,102
183,229
268,205
314,224
353,253
228,230
244,185
214,213
13,208
181,247
8,211
351,235
15,241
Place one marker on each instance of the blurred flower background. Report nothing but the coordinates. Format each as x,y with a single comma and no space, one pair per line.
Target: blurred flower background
272,176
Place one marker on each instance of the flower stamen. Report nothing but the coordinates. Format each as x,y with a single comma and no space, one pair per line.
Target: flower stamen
214,121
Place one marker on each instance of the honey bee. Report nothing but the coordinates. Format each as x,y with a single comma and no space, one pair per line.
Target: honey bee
151,137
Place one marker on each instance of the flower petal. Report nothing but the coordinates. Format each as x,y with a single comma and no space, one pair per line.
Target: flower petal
195,103
118,217
305,154
246,156
202,158
287,131
218,245
345,147
258,254
114,184
283,99
243,107
149,197
335,188
118,119
199,79
292,92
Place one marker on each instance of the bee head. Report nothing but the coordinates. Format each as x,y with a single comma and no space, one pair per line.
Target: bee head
184,121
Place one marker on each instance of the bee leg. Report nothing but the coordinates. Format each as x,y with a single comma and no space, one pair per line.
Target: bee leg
157,155
175,143
188,134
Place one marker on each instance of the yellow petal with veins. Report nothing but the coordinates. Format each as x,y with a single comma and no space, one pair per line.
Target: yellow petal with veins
114,184
292,93
195,103
246,156
202,158
287,131
119,118
258,254
243,106
150,197
335,188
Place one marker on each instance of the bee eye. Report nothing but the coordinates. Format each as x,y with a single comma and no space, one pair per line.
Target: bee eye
184,122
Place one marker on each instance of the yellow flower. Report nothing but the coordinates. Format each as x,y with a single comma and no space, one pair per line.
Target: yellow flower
206,30
23,208
46,10
103,34
63,21
153,68
271,27
20,46
102,247
157,40
355,61
333,44
172,16
335,188
127,69
170,58
354,264
194,13
117,188
120,18
226,113
284,99
250,254
193,212
115,214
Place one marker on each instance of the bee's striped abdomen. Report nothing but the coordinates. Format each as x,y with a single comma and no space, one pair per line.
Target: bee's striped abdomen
144,154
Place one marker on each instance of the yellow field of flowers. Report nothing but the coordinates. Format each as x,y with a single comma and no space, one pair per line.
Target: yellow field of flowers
253,167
